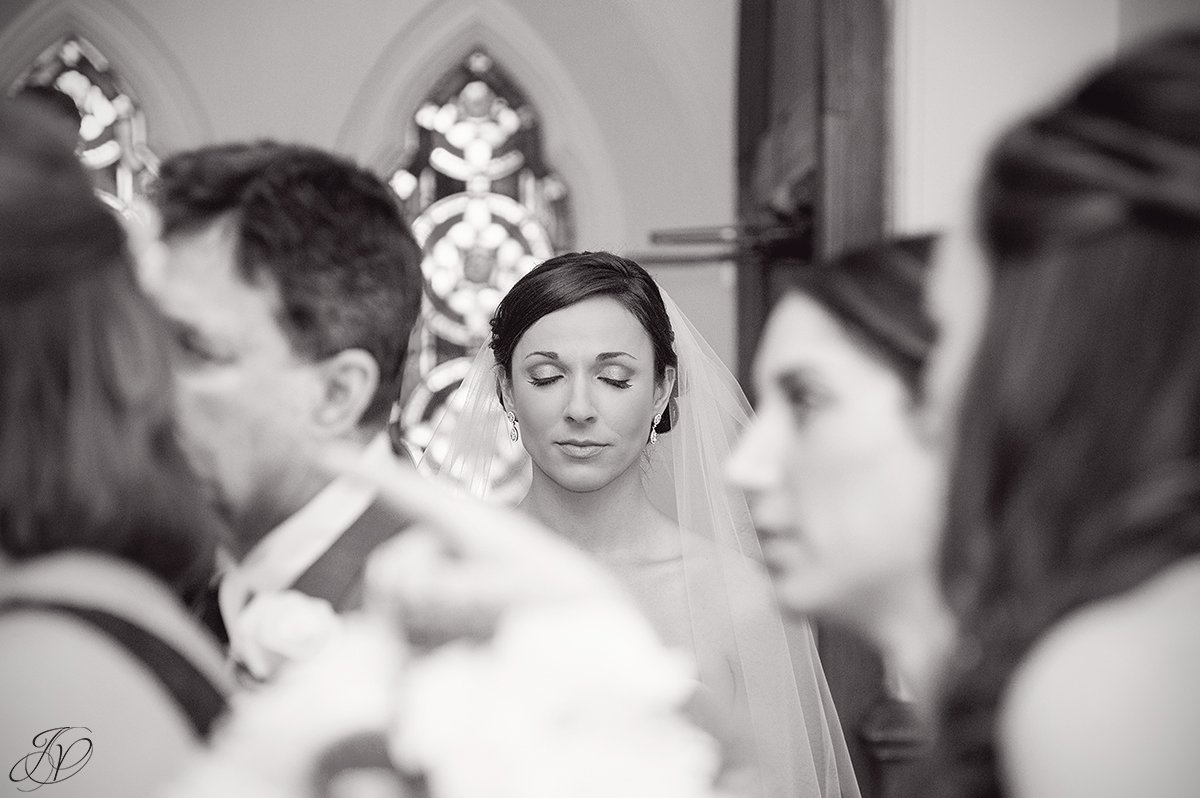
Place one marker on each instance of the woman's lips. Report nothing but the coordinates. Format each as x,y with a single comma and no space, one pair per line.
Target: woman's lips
581,450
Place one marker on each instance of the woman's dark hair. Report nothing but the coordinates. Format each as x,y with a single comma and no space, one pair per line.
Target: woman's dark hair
1078,459
878,293
568,279
90,458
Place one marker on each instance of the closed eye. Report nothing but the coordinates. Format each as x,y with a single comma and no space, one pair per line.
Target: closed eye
801,395
540,381
617,383
193,346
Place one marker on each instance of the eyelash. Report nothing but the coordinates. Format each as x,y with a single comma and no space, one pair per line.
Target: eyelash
622,384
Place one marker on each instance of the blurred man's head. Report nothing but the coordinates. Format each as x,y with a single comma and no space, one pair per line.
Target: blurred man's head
293,283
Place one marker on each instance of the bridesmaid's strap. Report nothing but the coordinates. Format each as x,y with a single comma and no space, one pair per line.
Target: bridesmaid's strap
193,692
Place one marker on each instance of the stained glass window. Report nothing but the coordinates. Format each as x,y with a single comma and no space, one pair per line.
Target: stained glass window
112,130
486,209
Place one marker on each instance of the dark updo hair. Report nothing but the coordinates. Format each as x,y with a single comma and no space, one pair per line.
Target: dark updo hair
1077,473
878,293
569,279
90,455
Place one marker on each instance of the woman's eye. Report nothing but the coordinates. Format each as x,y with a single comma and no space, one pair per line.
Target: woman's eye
548,379
194,348
802,399
618,378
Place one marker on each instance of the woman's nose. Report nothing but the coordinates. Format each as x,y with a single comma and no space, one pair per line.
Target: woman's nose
580,407
754,464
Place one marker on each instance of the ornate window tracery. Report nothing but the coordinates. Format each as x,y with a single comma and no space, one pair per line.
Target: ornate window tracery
486,209
112,128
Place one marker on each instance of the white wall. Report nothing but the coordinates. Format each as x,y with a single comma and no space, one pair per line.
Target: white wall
963,69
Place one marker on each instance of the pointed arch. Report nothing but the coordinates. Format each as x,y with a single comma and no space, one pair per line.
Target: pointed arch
170,102
432,44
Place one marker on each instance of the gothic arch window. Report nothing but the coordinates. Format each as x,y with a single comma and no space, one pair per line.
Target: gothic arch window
112,130
486,209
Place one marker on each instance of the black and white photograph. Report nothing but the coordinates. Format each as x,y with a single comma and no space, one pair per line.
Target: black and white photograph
608,399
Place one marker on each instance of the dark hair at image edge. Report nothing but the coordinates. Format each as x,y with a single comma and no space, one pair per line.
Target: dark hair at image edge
569,279
1077,474
90,455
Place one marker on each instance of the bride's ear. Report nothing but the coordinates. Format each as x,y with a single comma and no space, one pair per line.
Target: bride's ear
504,384
664,389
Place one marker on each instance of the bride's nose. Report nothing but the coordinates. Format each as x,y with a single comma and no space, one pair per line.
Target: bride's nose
580,407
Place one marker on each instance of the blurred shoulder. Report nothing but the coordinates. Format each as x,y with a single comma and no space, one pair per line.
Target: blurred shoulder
1107,702
56,670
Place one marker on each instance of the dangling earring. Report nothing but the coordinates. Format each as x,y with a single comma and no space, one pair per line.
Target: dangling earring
654,429
514,432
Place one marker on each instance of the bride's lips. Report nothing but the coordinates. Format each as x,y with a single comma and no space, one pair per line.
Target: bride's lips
581,449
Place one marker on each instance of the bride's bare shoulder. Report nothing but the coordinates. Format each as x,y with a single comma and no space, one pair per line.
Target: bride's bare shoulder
1101,704
745,578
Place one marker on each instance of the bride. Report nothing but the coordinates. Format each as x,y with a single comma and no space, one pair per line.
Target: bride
627,417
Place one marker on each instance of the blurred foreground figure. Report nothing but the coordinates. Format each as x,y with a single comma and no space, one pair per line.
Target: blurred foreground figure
843,480
102,525
1072,552
292,283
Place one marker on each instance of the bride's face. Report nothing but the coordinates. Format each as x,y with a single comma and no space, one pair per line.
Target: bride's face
843,488
583,389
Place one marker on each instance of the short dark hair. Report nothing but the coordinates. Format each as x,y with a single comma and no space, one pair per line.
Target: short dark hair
1076,463
879,293
328,233
569,279
86,427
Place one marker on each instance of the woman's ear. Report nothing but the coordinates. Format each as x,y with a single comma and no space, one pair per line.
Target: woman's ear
349,380
504,385
664,390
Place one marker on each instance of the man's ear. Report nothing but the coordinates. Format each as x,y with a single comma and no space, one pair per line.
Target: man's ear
348,383
663,390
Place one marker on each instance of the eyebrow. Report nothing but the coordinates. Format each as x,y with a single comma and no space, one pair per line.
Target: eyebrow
600,357
613,356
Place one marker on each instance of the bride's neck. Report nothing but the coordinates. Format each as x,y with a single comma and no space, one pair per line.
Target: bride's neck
612,519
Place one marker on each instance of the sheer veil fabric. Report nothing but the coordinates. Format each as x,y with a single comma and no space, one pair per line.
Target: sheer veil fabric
784,721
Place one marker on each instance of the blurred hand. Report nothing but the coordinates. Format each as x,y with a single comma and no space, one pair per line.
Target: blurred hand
463,564
143,230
